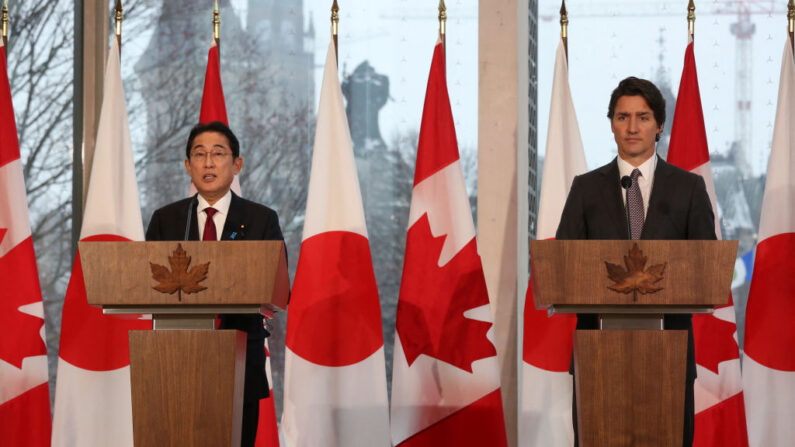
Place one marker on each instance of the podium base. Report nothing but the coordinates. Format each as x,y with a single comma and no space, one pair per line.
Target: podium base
187,387
630,387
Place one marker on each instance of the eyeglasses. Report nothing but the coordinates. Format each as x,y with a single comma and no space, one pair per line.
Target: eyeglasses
216,156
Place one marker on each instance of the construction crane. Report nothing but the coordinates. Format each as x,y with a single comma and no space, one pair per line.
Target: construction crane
742,29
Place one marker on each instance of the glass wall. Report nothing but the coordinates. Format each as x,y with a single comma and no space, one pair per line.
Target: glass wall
271,61
738,47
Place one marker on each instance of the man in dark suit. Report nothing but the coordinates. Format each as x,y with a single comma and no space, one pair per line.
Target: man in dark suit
664,201
212,161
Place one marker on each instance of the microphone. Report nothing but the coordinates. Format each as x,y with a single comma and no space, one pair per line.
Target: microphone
626,183
190,215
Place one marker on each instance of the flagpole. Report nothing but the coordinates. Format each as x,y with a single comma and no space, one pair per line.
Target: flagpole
5,23
217,26
691,21
335,19
790,24
443,25
564,28
117,20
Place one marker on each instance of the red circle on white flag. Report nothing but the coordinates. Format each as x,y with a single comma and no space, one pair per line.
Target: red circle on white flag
334,317
769,331
89,339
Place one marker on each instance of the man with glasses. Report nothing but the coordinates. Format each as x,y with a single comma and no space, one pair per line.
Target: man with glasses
216,213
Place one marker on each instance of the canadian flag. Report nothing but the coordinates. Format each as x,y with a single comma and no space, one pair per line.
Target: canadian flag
769,363
213,106
335,382
719,406
267,429
92,395
547,341
445,375
24,391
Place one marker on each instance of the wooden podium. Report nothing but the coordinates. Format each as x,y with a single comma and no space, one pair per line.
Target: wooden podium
630,375
187,378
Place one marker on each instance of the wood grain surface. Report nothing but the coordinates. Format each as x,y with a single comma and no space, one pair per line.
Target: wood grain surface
574,272
187,387
630,387
240,272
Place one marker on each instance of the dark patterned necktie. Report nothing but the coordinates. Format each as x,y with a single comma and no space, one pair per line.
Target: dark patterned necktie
209,226
635,204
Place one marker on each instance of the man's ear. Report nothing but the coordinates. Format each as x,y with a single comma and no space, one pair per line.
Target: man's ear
187,166
238,165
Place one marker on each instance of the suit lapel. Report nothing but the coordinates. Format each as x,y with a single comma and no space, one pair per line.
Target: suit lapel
612,197
659,191
235,221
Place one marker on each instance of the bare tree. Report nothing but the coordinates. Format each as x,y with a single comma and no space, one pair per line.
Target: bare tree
39,60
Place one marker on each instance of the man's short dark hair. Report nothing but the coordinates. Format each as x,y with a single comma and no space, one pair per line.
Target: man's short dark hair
215,126
633,86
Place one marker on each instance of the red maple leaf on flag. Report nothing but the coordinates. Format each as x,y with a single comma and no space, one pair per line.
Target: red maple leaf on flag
433,299
24,291
710,336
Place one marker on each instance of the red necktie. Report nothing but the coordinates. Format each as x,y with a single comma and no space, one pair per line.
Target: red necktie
209,226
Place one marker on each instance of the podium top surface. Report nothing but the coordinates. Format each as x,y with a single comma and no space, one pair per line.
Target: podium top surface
642,273
185,273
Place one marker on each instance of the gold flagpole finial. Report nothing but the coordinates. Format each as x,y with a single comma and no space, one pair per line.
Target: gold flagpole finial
691,19
216,23
790,22
443,23
5,22
335,20
117,20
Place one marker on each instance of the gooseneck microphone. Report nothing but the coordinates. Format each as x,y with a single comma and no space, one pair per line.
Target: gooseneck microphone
190,215
626,183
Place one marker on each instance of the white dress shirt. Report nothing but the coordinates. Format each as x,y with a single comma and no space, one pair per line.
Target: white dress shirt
219,218
645,180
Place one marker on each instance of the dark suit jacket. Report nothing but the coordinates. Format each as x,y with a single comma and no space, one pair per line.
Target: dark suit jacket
246,220
679,208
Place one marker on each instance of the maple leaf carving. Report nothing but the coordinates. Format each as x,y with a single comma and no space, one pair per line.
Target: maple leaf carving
433,300
634,279
179,278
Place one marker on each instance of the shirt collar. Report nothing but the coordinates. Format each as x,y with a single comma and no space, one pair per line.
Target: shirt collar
221,206
646,168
